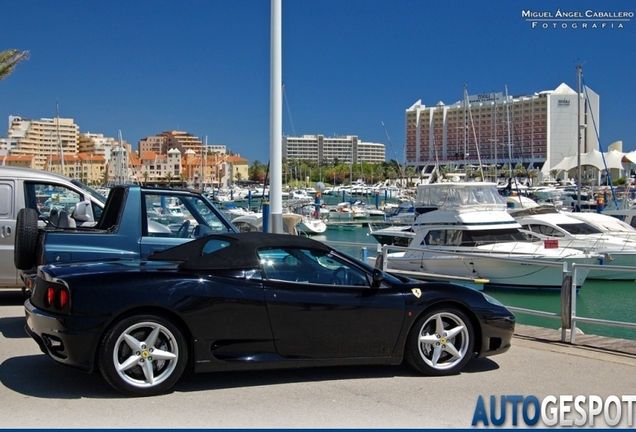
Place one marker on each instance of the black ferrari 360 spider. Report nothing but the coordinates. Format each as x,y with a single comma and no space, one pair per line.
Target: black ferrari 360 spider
253,300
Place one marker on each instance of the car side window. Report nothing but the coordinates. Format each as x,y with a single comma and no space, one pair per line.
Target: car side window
181,216
46,198
310,267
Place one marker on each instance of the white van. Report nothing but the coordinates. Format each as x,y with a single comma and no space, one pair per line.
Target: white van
44,192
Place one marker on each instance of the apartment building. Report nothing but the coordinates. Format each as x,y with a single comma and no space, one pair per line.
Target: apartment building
165,141
22,161
87,168
97,144
323,149
497,129
42,138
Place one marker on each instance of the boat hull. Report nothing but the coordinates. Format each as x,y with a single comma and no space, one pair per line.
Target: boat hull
312,227
500,270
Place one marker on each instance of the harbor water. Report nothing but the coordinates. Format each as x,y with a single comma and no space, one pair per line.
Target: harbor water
609,300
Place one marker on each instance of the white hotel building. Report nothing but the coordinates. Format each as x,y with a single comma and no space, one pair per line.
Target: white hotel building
323,149
534,130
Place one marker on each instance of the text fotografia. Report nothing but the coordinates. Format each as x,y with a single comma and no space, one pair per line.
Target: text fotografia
563,410
588,19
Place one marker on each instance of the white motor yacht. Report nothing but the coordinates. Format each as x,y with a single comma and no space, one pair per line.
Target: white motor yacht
463,229
570,232
254,222
310,225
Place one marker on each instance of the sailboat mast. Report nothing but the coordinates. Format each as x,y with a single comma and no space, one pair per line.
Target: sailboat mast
59,137
465,98
509,136
578,131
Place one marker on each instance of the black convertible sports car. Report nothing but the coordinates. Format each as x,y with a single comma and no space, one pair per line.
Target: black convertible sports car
253,300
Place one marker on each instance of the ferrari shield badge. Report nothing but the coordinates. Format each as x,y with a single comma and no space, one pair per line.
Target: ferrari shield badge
416,292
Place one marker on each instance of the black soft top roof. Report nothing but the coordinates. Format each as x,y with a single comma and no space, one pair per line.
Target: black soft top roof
240,253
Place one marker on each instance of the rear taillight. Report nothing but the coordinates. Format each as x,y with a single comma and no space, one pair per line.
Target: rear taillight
56,297
50,296
63,298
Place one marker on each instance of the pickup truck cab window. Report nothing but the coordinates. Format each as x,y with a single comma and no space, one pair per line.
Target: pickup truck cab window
181,216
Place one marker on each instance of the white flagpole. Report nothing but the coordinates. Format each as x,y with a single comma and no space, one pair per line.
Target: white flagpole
276,120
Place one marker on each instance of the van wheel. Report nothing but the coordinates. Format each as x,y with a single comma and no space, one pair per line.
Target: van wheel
26,237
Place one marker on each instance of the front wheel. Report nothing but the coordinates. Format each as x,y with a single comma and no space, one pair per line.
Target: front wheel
143,355
441,342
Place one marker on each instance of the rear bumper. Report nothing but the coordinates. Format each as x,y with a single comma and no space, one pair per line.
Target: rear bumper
71,341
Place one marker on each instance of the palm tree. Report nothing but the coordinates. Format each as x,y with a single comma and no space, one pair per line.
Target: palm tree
8,60
554,173
409,173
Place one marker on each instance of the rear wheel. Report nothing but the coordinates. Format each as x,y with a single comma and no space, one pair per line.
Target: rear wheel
26,237
143,355
441,342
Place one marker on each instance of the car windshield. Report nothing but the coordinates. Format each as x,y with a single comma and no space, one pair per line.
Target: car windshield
92,192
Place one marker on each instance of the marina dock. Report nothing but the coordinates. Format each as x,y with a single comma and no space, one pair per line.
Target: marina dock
619,347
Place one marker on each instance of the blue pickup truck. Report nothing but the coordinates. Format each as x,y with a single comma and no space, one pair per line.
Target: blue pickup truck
135,222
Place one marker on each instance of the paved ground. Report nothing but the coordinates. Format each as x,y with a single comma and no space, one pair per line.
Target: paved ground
37,393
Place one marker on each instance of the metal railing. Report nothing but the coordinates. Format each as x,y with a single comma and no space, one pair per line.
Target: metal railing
574,318
568,315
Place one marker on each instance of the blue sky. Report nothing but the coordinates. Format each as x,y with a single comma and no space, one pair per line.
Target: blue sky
202,66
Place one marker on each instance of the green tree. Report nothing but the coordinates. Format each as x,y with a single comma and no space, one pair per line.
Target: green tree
554,173
9,59
257,171
409,173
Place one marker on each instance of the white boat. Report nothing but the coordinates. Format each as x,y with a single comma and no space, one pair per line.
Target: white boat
310,226
627,215
254,222
607,224
390,234
344,211
404,213
546,223
232,211
471,219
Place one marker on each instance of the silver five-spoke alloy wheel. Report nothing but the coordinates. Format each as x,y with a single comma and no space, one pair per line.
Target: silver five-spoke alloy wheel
143,355
441,342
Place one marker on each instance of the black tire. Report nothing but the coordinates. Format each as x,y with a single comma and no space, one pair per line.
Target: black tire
26,239
154,365
441,342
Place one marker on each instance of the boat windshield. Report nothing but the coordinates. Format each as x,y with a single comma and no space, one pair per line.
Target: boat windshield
579,228
453,196
473,238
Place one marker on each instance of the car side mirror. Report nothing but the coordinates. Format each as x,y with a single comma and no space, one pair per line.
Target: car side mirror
82,213
378,277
